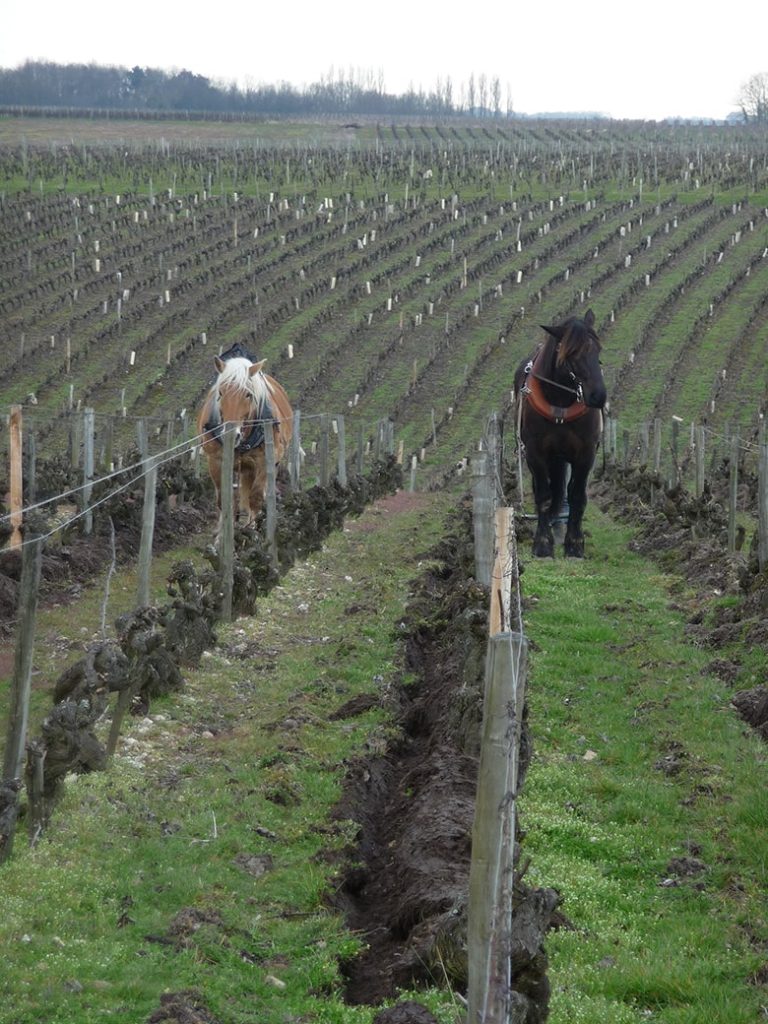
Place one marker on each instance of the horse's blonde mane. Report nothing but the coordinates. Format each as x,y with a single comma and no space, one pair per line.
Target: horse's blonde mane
236,377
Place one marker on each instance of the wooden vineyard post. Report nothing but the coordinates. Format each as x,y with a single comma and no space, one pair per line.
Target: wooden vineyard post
656,458
294,456
108,459
147,533
74,442
493,436
360,450
762,502
324,471
733,491
645,443
676,421
16,477
10,784
342,457
271,499
88,464
657,446
142,438
227,522
482,518
489,992
501,576
700,464
412,481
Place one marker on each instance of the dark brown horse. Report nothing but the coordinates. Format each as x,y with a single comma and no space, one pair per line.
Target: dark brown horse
560,394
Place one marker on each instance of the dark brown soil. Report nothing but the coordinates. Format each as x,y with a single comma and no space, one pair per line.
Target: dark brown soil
182,1008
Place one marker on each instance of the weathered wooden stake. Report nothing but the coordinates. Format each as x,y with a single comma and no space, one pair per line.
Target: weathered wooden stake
676,421
482,518
142,438
360,451
657,445
294,455
147,533
342,454
18,703
700,465
88,462
16,476
501,577
733,491
493,833
762,511
412,482
325,475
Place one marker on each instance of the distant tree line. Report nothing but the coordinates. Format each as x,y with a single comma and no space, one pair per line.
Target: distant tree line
92,86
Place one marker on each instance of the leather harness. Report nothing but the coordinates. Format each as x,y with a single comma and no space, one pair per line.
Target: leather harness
534,393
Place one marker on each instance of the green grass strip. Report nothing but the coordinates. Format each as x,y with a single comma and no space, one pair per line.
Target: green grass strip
640,763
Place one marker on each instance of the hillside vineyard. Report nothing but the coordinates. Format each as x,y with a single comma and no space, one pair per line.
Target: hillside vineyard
400,274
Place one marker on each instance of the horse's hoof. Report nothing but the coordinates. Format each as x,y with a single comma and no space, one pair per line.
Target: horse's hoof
543,549
574,549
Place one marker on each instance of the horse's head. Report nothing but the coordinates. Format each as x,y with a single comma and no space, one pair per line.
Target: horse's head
576,357
241,394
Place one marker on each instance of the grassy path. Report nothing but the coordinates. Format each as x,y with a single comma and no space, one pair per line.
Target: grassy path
646,804
201,862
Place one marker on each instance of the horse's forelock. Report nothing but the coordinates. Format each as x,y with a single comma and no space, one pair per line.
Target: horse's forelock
576,335
236,376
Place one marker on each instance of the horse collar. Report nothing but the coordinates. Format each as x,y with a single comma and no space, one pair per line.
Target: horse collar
534,393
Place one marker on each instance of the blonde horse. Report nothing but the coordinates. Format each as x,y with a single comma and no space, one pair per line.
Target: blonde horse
254,402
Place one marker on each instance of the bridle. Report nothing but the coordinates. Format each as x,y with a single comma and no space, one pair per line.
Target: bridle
578,391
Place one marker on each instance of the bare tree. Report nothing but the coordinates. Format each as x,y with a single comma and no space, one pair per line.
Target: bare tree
482,94
471,94
496,95
753,98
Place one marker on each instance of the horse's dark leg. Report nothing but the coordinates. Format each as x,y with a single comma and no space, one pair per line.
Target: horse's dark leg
577,501
544,540
212,453
557,476
245,497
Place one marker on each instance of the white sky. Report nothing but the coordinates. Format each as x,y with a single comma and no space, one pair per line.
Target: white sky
651,59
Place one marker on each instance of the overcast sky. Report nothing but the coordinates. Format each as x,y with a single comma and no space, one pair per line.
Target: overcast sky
651,59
